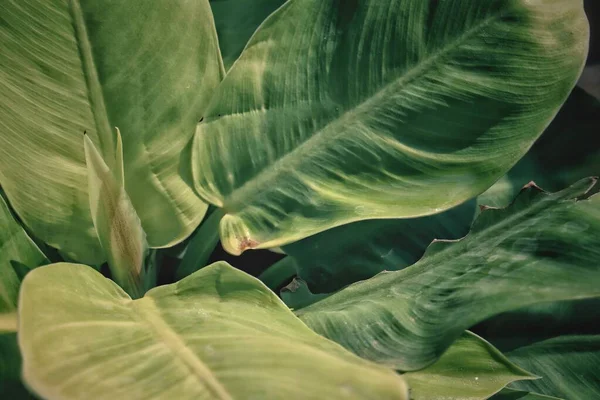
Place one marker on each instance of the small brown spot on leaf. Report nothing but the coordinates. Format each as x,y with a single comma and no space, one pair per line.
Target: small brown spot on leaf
247,243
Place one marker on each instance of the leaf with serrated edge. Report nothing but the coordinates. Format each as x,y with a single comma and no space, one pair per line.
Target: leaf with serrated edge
236,21
543,247
339,111
217,334
72,66
471,369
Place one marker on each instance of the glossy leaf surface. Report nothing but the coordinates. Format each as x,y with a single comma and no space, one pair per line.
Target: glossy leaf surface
217,334
544,247
69,67
343,111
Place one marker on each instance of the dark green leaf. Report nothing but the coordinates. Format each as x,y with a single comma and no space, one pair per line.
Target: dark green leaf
544,247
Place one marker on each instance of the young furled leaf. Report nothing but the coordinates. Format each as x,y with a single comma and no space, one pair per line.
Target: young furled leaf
117,224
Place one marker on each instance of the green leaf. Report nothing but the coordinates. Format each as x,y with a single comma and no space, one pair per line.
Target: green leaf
116,221
509,394
352,252
201,245
15,247
219,334
342,111
470,369
236,21
544,247
526,326
69,67
569,366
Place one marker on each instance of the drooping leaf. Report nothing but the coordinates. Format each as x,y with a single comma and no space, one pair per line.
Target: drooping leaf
343,111
569,366
15,247
345,254
544,247
236,21
510,394
218,334
116,221
69,67
471,369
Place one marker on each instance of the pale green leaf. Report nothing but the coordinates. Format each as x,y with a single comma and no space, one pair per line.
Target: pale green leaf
117,224
69,67
345,254
569,366
339,111
471,369
236,21
217,334
544,247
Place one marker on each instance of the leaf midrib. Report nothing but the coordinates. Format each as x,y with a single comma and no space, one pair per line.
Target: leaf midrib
147,312
237,198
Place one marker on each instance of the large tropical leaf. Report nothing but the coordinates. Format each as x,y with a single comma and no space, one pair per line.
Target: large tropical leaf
236,21
69,67
471,369
544,247
340,111
117,224
217,334
569,365
342,255
510,394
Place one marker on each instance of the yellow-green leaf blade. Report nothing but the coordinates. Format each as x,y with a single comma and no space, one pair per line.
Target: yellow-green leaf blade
216,334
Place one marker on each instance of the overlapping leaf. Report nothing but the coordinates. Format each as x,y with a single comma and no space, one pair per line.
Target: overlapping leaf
544,247
16,248
470,369
217,334
569,366
340,256
69,67
342,111
116,221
